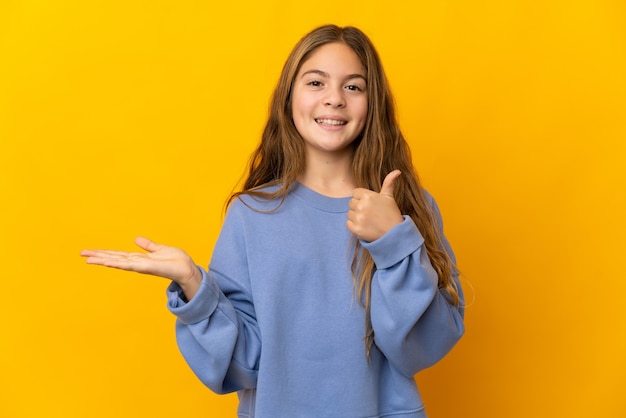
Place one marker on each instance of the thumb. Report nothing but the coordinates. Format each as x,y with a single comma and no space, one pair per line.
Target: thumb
387,188
147,245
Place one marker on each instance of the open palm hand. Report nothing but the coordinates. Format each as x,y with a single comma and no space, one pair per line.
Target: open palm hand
158,260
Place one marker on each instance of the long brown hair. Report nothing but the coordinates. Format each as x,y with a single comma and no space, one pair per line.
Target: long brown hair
380,148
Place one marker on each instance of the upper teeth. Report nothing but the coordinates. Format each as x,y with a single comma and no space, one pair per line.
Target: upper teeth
331,121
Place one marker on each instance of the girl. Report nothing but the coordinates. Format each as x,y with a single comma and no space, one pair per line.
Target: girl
331,283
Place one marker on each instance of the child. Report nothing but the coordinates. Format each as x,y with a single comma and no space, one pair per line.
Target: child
331,283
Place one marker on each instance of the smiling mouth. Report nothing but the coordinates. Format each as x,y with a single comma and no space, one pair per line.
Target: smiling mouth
330,122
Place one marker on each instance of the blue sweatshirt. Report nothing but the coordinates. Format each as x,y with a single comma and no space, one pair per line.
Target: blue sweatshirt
276,318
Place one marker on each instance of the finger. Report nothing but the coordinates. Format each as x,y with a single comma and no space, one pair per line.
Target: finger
87,253
121,263
97,253
358,193
387,188
350,215
147,245
350,226
104,261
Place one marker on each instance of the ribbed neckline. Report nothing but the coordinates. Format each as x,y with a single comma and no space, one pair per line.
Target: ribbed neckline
319,201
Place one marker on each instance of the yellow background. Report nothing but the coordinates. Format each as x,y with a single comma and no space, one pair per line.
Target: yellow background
125,117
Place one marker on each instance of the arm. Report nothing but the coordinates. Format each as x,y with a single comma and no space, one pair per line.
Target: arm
414,324
216,331
216,327
217,337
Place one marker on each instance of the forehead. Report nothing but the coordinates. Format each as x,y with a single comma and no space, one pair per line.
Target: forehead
334,58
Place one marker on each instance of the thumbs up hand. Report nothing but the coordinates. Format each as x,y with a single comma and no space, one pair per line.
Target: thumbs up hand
372,214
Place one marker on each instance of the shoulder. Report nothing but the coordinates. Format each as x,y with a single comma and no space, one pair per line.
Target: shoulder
429,197
430,200
432,205
262,200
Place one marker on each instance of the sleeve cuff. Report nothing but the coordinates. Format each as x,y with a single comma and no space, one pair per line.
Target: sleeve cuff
398,243
201,305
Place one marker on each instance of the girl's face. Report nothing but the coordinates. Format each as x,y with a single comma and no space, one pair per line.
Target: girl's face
329,99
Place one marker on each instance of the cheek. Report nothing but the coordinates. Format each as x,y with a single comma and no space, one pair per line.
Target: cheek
298,112
363,113
304,103
298,107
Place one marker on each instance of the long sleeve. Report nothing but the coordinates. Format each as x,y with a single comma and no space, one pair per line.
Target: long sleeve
414,324
280,283
216,331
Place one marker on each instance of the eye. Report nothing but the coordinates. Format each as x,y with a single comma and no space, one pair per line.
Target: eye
354,87
314,83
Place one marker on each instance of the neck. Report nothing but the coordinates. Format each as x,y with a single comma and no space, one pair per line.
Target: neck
330,175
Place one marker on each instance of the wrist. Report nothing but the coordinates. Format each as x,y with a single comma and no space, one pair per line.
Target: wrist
191,285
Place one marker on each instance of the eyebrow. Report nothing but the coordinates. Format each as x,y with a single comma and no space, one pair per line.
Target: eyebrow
325,74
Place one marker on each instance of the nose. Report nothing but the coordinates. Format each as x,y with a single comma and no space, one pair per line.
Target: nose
335,98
